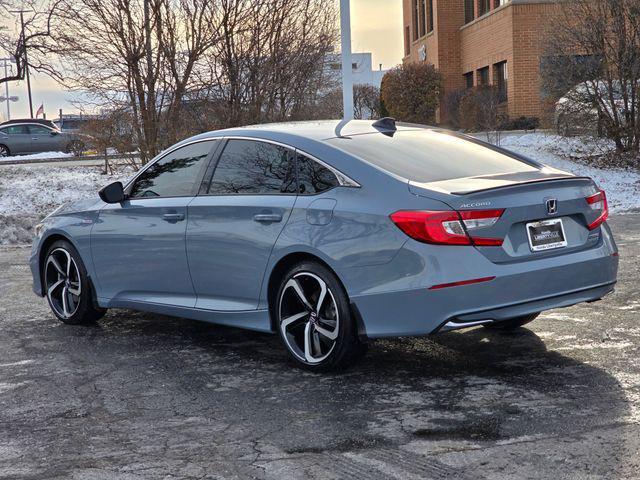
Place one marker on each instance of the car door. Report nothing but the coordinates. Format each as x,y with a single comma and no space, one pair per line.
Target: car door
44,139
235,222
16,138
138,246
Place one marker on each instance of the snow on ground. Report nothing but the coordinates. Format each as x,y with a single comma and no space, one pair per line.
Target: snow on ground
36,156
29,192
622,186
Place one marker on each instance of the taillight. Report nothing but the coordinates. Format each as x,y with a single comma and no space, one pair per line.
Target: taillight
448,228
598,202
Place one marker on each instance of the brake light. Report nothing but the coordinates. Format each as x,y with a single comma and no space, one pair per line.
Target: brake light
598,202
448,228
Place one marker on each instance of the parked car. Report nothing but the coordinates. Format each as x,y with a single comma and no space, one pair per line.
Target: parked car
40,121
31,137
330,235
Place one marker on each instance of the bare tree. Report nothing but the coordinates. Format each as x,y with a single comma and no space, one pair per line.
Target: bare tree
366,101
270,64
139,54
596,45
482,109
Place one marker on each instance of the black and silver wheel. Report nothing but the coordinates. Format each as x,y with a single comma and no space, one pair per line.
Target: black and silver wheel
314,319
512,323
67,287
4,151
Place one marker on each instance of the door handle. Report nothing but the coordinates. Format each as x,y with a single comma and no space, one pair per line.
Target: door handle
268,217
173,217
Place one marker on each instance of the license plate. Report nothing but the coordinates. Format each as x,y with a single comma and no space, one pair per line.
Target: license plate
546,235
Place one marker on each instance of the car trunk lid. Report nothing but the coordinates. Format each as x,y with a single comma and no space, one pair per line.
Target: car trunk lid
525,198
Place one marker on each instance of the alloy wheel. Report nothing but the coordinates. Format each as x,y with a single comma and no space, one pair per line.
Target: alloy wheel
309,318
62,279
4,151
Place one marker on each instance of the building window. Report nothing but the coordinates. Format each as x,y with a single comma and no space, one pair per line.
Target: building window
499,3
407,40
483,7
500,80
483,76
416,15
430,17
422,16
468,80
469,11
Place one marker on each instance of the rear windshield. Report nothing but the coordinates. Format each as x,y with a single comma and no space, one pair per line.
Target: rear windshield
427,156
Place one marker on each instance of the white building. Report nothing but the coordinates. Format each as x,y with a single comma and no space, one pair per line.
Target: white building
362,69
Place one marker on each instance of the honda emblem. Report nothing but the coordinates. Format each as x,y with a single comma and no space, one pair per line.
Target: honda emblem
552,206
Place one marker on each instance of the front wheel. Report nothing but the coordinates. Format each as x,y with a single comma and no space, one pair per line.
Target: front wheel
512,323
4,151
67,285
314,319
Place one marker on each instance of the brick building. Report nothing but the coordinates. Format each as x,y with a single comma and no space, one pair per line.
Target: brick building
482,42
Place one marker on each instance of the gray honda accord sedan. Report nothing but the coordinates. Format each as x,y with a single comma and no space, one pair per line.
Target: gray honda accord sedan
34,137
330,234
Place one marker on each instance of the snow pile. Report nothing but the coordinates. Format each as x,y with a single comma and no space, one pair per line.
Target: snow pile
28,193
622,186
36,156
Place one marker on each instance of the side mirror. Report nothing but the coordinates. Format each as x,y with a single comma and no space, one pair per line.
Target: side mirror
54,133
112,193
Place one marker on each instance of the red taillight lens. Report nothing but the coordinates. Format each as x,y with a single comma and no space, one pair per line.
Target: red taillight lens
599,203
448,228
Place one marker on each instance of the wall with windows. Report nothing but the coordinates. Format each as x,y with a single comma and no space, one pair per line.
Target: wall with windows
498,42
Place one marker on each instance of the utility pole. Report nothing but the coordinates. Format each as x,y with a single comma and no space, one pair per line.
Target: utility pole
347,81
26,60
6,89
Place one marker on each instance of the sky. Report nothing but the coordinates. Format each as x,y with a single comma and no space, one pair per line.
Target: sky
376,27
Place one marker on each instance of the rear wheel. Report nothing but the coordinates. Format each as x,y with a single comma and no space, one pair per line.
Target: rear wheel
513,323
314,319
67,286
4,151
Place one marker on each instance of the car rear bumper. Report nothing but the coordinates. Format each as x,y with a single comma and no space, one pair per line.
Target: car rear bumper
514,289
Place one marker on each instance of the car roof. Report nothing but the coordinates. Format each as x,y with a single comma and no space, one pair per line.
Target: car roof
314,130
47,123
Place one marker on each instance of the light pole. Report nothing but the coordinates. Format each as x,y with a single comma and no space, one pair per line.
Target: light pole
26,60
347,81
7,62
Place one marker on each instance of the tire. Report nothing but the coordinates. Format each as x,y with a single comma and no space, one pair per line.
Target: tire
319,338
63,275
4,151
513,323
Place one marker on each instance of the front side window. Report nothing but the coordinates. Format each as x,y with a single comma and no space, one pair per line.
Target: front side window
253,167
15,130
39,130
313,177
174,175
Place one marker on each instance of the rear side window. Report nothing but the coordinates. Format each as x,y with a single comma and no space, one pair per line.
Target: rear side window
427,156
15,130
174,175
252,167
313,177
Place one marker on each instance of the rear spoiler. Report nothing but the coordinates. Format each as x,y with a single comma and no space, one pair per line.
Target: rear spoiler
527,182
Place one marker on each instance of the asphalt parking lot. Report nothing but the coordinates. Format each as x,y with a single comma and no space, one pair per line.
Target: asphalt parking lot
139,396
